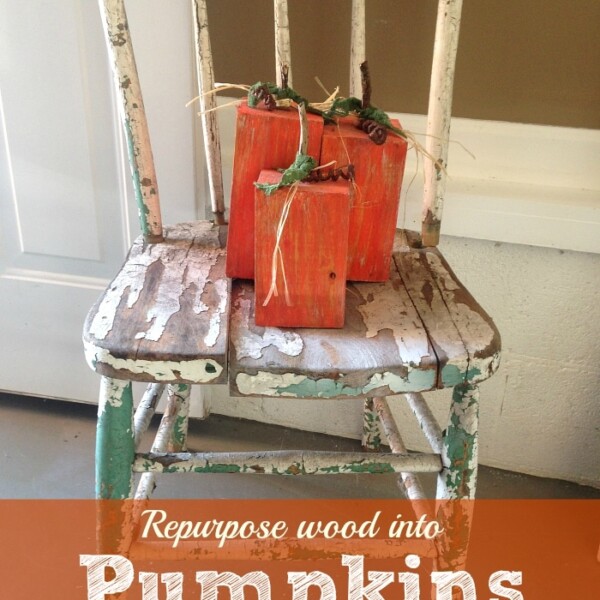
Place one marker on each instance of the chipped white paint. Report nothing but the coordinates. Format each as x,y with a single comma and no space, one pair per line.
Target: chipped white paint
432,307
130,279
133,116
459,480
358,53
409,481
492,364
184,269
438,117
185,370
398,384
111,393
467,411
475,330
264,383
146,409
195,270
267,384
147,482
285,462
214,329
208,102
427,422
386,309
251,345
283,50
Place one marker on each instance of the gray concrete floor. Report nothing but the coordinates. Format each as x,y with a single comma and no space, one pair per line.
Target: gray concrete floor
47,451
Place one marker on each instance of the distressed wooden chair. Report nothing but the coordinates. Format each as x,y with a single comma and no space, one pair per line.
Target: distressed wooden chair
171,317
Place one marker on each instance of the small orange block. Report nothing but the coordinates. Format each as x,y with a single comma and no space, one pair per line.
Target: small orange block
263,140
379,171
313,254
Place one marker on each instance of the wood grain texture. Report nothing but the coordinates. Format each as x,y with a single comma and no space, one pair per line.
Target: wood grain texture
382,349
379,172
263,140
164,317
464,337
420,330
313,254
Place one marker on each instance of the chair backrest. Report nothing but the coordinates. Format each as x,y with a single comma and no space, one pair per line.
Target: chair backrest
136,127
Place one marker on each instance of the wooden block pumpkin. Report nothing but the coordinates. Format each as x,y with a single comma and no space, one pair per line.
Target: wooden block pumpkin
379,170
311,256
264,140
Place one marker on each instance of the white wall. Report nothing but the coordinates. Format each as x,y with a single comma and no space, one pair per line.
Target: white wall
540,413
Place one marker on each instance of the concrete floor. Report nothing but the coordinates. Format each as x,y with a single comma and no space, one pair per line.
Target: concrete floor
47,451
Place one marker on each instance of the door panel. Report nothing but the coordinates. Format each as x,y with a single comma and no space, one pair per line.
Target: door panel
67,212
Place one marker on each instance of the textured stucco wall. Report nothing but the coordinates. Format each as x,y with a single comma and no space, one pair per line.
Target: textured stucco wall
540,414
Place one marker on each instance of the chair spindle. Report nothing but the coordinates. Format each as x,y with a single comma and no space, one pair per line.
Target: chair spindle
438,117
283,52
358,52
133,117
208,103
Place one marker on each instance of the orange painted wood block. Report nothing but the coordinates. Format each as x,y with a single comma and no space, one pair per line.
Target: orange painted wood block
379,171
263,140
313,254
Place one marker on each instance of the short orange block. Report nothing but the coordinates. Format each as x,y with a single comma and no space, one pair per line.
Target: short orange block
379,171
263,140
314,246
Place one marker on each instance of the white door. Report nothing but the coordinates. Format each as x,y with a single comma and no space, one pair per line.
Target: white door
66,209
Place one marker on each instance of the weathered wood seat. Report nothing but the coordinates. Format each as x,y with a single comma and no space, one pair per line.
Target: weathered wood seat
419,331
164,317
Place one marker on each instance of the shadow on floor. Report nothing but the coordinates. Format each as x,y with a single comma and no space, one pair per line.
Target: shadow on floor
47,451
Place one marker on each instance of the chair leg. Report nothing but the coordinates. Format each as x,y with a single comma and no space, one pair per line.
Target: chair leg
458,478
114,440
371,434
179,404
114,458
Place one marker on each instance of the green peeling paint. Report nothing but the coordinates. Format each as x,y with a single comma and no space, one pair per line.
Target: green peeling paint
143,210
114,441
178,434
320,388
373,468
460,445
207,468
371,427
296,468
452,375
414,381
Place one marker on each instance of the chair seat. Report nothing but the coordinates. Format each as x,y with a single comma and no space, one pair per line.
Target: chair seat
419,331
165,315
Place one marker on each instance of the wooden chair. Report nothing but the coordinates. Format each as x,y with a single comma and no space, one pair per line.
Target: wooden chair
172,318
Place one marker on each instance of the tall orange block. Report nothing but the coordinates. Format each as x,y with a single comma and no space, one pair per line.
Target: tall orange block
312,255
263,140
379,171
